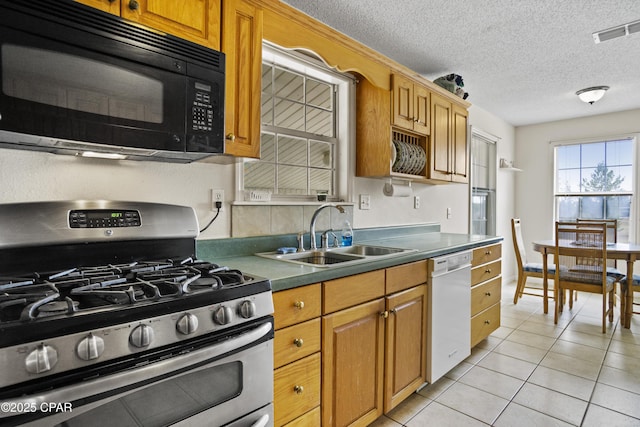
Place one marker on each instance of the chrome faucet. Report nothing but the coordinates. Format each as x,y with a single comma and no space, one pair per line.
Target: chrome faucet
312,227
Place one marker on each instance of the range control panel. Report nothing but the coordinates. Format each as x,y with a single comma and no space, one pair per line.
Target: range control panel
104,218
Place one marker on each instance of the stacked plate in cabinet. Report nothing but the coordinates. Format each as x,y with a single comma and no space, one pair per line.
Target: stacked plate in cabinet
407,158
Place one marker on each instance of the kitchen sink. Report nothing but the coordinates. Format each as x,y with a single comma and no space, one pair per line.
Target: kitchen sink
336,256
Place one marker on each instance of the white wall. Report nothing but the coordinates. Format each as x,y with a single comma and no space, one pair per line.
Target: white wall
32,176
534,186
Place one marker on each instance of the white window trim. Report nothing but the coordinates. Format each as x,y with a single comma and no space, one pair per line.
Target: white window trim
634,229
345,129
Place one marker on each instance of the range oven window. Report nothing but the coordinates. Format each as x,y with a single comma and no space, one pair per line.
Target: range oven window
78,83
169,401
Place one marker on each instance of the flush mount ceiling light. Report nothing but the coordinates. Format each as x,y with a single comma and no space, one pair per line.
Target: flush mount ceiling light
592,94
615,32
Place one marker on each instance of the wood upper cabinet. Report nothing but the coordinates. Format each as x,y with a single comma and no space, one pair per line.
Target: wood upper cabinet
406,348
242,45
381,118
448,145
410,104
196,20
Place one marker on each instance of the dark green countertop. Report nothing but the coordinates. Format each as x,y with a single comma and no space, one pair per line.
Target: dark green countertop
427,241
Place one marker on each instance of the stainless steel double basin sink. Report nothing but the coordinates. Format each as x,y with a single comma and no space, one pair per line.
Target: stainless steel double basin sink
337,256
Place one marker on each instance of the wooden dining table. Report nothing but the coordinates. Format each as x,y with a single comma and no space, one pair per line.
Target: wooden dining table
629,252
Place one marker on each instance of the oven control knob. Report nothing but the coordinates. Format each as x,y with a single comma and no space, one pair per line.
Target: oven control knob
90,347
141,336
187,324
223,315
42,359
247,309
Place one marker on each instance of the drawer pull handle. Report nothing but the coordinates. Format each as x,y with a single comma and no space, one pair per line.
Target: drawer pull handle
488,270
488,294
384,314
298,342
393,311
299,305
487,322
298,389
487,253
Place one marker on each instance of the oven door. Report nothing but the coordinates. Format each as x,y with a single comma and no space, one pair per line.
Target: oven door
226,383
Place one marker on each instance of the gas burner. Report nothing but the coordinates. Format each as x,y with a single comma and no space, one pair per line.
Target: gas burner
79,289
54,308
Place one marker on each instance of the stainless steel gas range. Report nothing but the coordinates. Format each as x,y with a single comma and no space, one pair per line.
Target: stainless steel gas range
108,318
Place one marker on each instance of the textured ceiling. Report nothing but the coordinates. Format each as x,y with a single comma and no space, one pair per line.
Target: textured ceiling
521,60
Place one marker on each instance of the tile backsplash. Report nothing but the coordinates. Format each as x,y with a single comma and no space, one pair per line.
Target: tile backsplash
264,220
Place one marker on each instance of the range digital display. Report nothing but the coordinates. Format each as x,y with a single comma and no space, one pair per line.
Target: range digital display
103,218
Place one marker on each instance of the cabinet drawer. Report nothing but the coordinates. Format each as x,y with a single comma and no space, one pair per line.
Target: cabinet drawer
296,305
296,342
349,291
406,276
296,389
486,254
485,295
485,272
484,323
310,419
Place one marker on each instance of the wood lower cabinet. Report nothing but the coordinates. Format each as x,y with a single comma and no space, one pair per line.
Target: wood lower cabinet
197,21
353,365
297,359
242,45
373,342
406,344
486,285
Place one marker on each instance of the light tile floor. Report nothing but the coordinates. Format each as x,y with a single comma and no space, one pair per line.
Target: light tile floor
531,372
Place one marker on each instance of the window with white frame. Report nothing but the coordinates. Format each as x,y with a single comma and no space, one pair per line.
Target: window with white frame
595,180
304,108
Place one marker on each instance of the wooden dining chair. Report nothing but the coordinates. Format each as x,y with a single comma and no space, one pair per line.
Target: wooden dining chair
528,269
587,243
612,237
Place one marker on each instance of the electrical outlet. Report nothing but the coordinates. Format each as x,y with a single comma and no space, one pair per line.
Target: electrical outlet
449,213
217,196
365,202
416,202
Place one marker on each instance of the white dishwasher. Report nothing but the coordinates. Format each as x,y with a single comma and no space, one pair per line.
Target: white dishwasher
449,330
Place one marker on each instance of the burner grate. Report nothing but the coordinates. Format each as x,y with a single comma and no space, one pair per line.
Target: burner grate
98,287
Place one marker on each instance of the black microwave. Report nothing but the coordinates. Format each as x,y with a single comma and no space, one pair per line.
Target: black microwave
79,81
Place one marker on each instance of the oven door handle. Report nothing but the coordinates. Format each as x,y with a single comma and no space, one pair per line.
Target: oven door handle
262,422
131,377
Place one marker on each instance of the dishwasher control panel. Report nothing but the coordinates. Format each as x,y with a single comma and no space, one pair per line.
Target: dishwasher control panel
451,262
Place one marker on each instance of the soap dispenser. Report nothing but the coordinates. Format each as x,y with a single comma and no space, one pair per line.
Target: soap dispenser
347,234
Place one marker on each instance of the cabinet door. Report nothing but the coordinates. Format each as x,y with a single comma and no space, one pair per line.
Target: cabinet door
242,44
421,109
111,6
440,164
406,351
459,156
402,92
194,20
353,365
